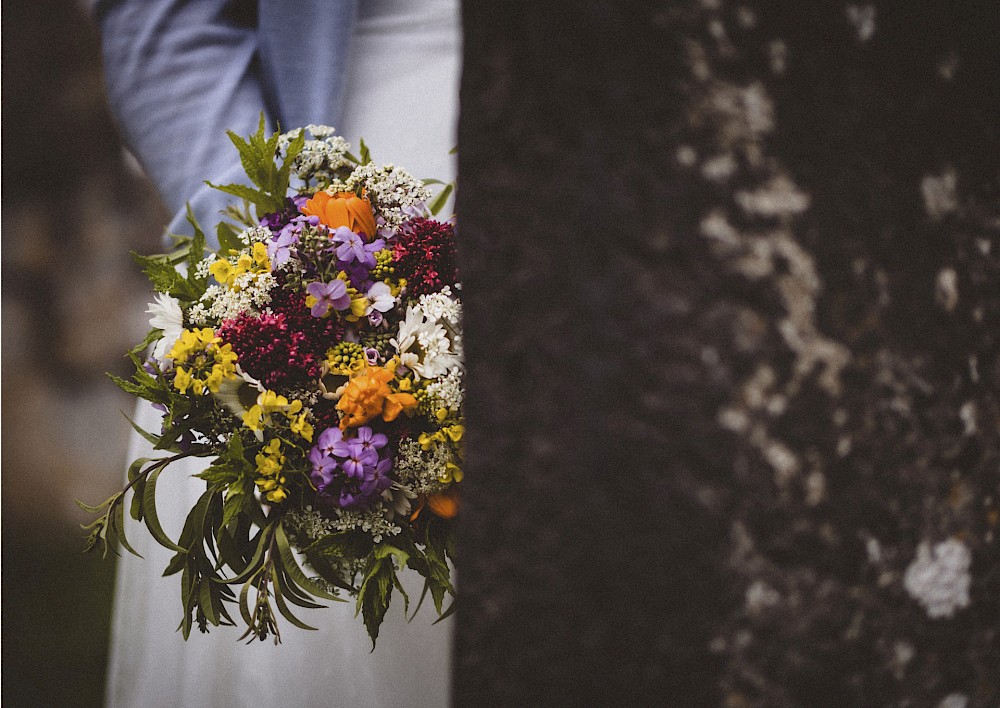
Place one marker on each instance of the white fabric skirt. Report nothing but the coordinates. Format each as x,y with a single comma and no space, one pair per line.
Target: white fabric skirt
402,97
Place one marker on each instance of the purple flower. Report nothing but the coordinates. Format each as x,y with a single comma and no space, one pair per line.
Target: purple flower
377,478
371,440
371,354
350,471
323,469
358,459
332,294
279,249
352,247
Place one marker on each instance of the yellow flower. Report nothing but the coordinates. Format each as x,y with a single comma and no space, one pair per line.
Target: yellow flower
182,380
301,427
451,473
222,270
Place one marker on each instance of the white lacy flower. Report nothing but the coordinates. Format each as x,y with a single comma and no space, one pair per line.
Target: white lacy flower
255,234
424,346
421,470
166,315
447,392
390,189
219,303
939,578
321,157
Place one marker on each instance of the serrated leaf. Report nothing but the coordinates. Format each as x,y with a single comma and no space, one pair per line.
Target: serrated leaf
259,199
284,173
229,239
375,595
447,613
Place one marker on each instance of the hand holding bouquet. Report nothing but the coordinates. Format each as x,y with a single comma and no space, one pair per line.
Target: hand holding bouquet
316,360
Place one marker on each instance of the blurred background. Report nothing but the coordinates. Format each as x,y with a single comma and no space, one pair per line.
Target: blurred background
73,207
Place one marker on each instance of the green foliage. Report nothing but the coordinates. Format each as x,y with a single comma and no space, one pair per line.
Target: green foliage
270,181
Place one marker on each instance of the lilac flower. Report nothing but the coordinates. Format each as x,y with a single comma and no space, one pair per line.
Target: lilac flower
323,469
352,247
371,440
279,249
375,318
371,353
416,211
383,230
377,478
329,441
332,294
359,458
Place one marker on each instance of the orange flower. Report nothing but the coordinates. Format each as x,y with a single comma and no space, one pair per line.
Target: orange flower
444,505
342,209
368,395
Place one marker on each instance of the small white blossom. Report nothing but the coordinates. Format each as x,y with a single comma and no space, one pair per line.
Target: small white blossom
447,392
939,578
389,188
166,315
256,234
219,302
421,470
321,157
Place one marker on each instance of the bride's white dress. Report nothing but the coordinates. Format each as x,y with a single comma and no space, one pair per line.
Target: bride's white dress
402,96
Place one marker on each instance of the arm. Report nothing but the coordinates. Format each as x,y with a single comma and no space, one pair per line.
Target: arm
179,74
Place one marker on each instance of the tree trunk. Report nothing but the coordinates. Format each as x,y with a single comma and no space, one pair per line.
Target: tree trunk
732,290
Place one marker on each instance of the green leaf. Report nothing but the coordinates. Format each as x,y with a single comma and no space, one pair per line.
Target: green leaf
153,335
294,571
294,594
258,198
117,519
366,155
207,601
375,594
244,605
447,613
441,199
255,561
233,506
149,511
284,173
148,437
229,239
279,599
196,246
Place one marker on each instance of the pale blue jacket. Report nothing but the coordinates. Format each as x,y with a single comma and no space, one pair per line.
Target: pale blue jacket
180,73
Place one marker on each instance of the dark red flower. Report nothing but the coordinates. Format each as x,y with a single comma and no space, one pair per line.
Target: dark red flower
283,349
424,254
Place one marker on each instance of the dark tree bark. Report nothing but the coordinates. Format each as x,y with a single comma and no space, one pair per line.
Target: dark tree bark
732,290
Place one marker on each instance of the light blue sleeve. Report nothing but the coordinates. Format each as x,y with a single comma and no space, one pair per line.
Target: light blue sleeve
179,74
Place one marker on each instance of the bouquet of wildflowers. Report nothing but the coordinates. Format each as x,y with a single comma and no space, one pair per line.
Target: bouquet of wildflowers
316,361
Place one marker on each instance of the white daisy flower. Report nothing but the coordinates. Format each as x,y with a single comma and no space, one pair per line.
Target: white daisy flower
166,315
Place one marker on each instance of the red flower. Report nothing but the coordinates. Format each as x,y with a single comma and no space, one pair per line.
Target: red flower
424,254
283,350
